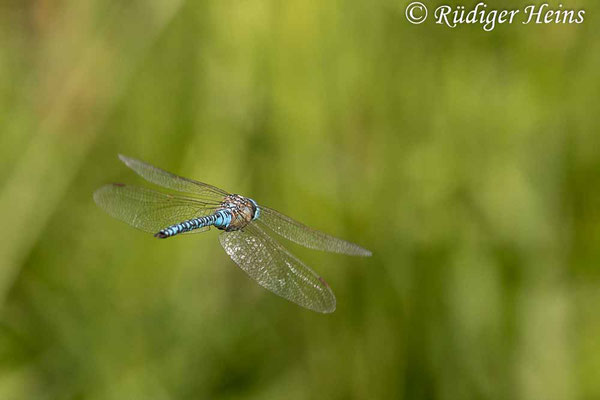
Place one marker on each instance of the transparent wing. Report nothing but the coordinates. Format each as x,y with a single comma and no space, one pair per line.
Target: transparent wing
276,269
147,209
171,181
305,236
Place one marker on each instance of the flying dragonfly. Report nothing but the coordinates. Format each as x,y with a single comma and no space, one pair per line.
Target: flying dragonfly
247,230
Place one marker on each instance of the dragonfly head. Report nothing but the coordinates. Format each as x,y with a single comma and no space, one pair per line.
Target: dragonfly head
256,209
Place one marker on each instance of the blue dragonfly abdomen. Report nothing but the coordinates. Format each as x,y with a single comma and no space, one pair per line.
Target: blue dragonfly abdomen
235,213
220,220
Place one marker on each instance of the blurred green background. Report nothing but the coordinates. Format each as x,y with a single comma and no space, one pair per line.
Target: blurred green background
468,162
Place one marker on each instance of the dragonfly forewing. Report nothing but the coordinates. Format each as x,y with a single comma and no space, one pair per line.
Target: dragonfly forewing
274,268
305,236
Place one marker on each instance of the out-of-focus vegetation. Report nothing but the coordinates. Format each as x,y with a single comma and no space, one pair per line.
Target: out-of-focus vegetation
468,162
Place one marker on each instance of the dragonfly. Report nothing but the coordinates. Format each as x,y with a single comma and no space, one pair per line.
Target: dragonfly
249,230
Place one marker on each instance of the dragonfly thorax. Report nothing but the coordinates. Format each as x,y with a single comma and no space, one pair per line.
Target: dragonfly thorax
242,209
